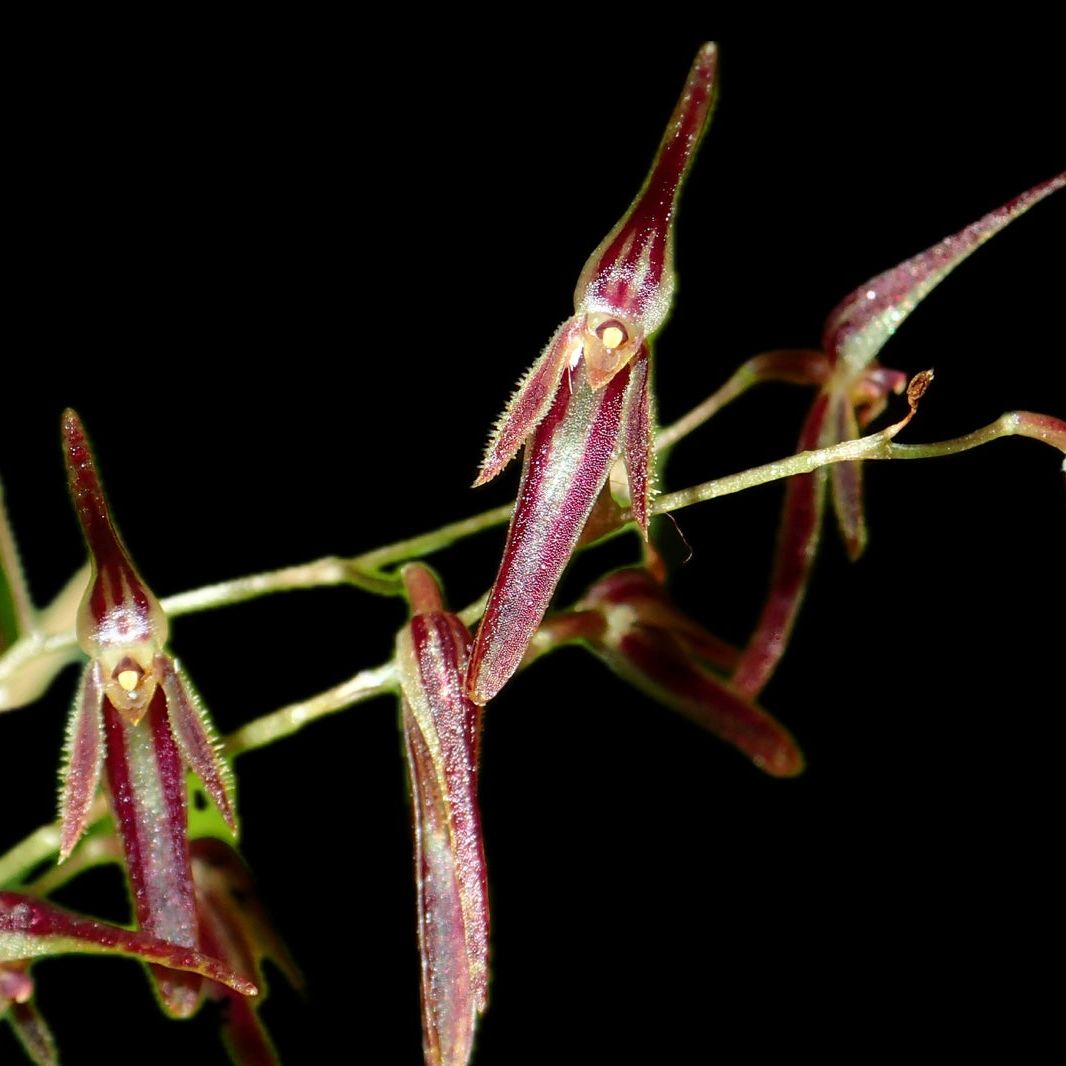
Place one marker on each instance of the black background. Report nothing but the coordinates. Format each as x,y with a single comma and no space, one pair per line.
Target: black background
289,277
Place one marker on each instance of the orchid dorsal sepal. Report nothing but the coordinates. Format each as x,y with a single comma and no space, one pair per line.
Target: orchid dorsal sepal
83,758
626,287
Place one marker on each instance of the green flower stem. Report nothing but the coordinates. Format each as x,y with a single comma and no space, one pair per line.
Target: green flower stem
318,574
875,446
93,851
291,719
416,547
743,378
41,844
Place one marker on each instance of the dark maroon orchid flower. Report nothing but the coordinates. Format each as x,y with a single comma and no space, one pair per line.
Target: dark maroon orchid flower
853,390
628,620
136,712
441,728
587,401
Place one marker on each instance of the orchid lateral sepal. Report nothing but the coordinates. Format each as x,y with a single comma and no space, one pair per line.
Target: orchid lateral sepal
588,402
441,729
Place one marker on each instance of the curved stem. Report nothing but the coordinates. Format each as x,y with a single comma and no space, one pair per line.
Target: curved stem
318,574
291,719
435,540
875,446
28,853
799,367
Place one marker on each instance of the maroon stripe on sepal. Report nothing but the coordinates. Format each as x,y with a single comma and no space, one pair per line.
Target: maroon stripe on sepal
146,780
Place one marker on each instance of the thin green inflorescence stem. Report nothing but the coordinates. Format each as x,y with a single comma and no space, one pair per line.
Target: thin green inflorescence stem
875,446
427,543
795,366
318,574
291,719
30,852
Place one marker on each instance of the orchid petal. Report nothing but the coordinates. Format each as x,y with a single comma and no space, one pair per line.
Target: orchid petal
195,736
84,758
797,543
566,464
531,402
859,326
147,785
31,928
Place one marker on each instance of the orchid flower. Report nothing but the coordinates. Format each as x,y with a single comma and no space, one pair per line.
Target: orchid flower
628,620
853,390
587,401
441,728
136,712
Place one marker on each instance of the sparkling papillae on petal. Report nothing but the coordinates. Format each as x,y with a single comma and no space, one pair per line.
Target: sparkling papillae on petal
441,735
146,781
84,758
119,611
195,736
531,401
631,273
859,327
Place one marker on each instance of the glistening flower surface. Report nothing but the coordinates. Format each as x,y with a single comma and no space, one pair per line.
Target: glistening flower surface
136,713
588,401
